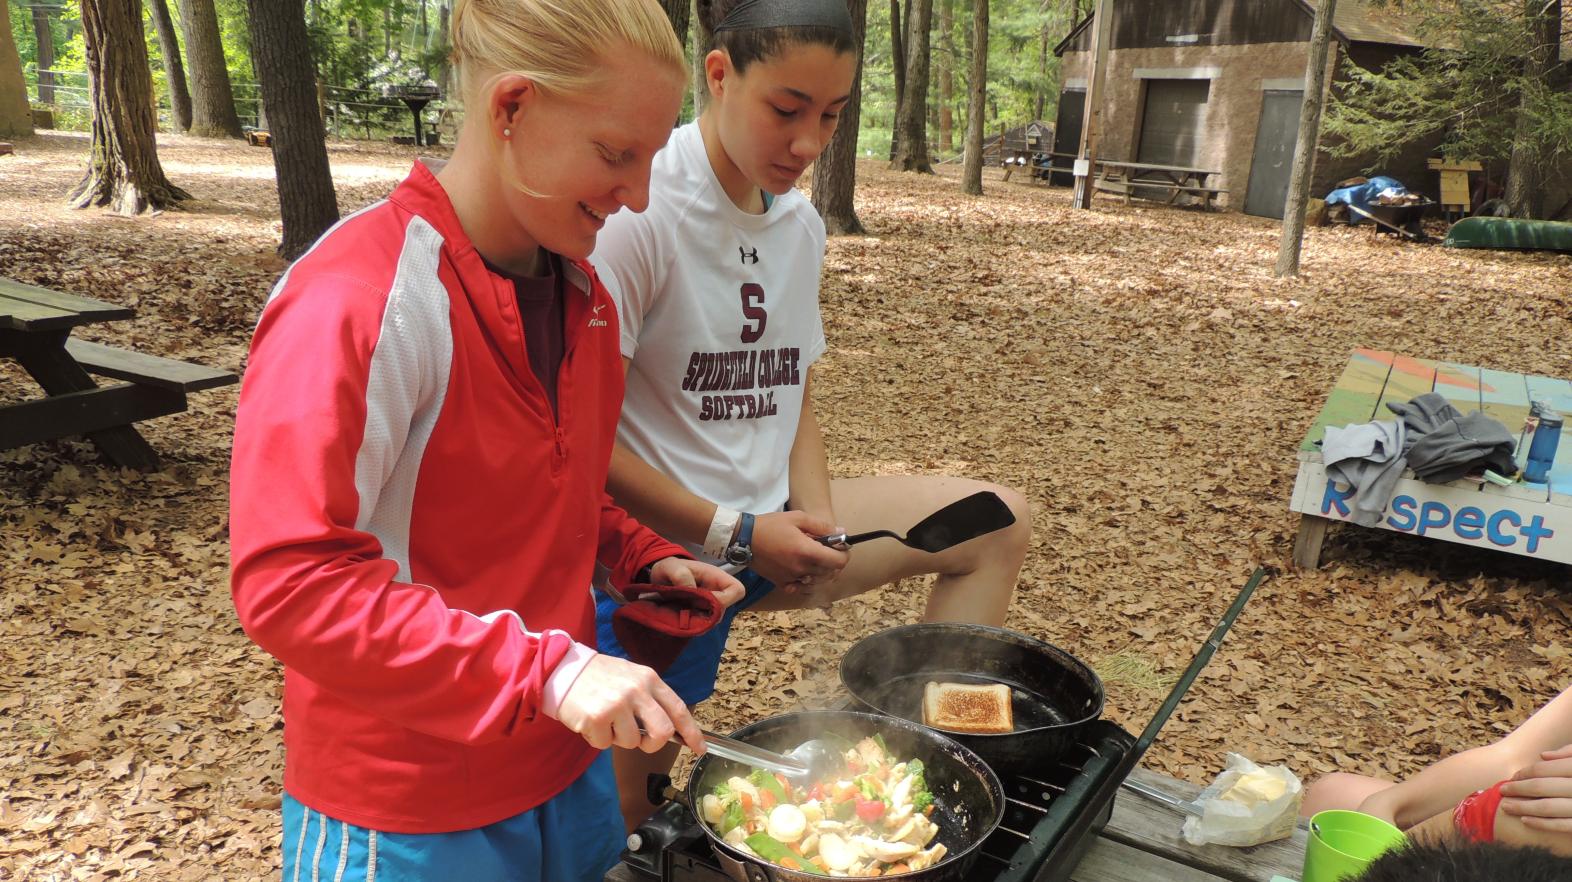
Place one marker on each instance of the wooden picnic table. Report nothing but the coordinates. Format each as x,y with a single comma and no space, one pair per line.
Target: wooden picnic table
1534,520
35,331
1142,843
1125,178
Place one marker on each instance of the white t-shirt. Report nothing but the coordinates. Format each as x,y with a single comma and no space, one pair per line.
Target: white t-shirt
720,314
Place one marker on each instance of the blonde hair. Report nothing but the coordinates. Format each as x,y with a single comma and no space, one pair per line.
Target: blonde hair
558,44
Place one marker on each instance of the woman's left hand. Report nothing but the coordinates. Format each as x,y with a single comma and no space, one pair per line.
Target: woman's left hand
681,571
1540,795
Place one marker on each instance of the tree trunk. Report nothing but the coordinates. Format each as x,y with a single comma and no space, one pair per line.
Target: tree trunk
703,39
174,69
444,39
306,199
911,127
1042,66
946,76
678,11
16,115
212,100
1525,190
835,172
123,170
977,94
45,36
1305,146
897,64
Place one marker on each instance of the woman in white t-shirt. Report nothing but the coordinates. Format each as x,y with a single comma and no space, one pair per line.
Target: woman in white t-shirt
717,286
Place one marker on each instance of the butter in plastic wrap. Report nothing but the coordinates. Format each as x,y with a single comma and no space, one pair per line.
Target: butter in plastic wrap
1246,805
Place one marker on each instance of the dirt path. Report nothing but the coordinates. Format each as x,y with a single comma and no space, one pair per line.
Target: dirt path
1137,372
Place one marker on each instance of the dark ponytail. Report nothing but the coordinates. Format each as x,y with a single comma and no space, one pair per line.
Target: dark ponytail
746,44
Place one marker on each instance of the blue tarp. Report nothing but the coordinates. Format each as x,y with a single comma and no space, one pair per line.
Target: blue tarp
1363,195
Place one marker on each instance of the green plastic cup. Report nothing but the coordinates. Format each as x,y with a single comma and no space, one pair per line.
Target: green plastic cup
1342,843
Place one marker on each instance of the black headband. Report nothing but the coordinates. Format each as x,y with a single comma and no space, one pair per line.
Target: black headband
752,15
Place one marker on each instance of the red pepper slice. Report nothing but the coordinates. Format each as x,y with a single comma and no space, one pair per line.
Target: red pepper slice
870,810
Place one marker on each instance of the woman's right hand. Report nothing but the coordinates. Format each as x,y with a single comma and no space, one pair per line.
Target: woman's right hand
613,697
787,551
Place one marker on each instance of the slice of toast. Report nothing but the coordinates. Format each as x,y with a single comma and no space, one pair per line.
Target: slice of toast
967,707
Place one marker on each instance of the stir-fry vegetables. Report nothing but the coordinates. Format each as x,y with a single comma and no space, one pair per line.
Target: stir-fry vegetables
876,820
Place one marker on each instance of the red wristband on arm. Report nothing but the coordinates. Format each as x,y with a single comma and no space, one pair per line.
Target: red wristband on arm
1475,817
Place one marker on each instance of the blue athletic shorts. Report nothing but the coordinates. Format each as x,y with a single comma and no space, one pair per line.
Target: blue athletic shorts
692,675
575,837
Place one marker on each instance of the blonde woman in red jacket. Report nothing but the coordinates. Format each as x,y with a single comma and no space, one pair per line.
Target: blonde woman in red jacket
419,468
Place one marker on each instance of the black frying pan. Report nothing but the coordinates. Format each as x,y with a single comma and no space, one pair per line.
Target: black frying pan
1054,694
968,797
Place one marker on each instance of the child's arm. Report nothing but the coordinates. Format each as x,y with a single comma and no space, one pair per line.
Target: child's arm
1443,785
783,543
809,474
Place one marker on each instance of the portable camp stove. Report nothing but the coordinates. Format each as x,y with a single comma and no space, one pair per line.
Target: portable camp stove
1051,817
1052,814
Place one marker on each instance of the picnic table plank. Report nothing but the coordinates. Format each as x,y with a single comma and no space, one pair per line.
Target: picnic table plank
1151,826
1409,379
1353,399
1559,394
138,367
1459,385
92,310
1110,861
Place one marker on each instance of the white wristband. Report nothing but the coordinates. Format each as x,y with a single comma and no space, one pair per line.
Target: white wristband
722,526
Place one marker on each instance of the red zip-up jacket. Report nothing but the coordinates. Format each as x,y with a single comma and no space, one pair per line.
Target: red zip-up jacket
413,533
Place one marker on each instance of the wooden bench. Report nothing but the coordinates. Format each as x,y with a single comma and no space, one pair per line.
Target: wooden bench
153,370
35,327
1534,520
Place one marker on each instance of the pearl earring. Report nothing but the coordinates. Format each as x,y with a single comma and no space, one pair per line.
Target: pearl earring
507,133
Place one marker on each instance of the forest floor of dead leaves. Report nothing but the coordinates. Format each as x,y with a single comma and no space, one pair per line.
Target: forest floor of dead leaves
1136,371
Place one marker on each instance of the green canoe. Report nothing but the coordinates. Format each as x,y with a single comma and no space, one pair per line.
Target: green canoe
1509,232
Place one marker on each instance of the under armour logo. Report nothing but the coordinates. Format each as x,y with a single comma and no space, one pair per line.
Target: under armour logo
749,255
595,320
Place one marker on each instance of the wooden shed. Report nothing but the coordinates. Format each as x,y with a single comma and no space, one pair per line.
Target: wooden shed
1217,84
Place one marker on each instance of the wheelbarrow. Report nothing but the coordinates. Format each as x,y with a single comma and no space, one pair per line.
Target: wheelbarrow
1403,220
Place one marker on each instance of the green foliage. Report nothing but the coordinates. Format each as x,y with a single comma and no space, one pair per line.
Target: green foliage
351,39
1470,91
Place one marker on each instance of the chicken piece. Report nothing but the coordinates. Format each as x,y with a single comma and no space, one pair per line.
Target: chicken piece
837,853
903,832
889,852
926,859
872,753
735,835
901,799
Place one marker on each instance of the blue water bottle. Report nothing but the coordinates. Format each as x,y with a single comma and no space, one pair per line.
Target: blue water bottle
1542,449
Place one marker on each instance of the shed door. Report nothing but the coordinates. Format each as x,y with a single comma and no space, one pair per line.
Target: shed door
1067,133
1274,153
1171,124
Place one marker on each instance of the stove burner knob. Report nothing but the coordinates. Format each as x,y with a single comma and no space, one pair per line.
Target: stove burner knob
635,842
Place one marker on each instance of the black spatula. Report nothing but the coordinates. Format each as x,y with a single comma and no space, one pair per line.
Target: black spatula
964,519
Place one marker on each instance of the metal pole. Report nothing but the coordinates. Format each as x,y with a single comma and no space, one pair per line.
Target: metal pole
1309,136
1102,36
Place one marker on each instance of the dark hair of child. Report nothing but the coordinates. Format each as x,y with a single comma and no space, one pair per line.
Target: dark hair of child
745,46
1472,862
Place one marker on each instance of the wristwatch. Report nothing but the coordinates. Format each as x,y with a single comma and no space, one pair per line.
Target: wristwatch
740,551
